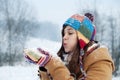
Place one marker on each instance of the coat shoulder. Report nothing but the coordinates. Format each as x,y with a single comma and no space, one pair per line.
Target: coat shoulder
99,54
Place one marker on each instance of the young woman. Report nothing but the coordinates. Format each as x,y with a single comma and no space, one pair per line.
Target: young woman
81,58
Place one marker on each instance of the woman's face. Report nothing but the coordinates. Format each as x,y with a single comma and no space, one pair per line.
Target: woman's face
69,39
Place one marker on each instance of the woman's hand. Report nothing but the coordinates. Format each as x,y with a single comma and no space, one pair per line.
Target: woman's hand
37,56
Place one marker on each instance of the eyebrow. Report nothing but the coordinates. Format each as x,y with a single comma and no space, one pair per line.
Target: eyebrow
69,29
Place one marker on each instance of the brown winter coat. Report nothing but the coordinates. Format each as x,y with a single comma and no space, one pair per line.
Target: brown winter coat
98,65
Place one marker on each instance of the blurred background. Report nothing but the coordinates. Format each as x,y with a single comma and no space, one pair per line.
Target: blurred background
38,23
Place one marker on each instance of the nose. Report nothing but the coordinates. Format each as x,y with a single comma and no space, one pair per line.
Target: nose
65,37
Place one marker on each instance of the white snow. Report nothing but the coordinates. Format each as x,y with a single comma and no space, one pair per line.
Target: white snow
19,73
116,78
22,73
26,71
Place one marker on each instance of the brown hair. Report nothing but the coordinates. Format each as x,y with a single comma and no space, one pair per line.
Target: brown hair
73,65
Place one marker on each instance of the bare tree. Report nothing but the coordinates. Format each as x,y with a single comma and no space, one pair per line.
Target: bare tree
111,20
117,59
16,15
117,50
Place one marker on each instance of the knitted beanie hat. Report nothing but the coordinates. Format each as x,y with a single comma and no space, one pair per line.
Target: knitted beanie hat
83,26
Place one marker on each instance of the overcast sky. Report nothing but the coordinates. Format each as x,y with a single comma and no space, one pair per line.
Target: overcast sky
57,11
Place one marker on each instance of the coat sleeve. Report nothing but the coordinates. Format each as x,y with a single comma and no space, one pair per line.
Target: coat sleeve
58,70
100,70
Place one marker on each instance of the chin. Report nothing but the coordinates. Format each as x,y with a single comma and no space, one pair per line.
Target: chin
67,51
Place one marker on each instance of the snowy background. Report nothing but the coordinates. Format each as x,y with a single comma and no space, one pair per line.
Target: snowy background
27,71
38,23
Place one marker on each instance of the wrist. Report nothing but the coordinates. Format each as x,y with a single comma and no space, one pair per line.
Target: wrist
43,61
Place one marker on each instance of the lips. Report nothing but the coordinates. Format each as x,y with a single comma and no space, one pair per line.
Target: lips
64,44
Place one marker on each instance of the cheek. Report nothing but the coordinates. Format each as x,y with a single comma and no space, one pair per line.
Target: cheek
72,45
74,40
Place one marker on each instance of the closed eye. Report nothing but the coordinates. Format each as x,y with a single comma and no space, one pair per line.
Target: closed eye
70,33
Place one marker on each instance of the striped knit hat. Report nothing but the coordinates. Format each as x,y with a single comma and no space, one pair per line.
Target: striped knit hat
84,27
